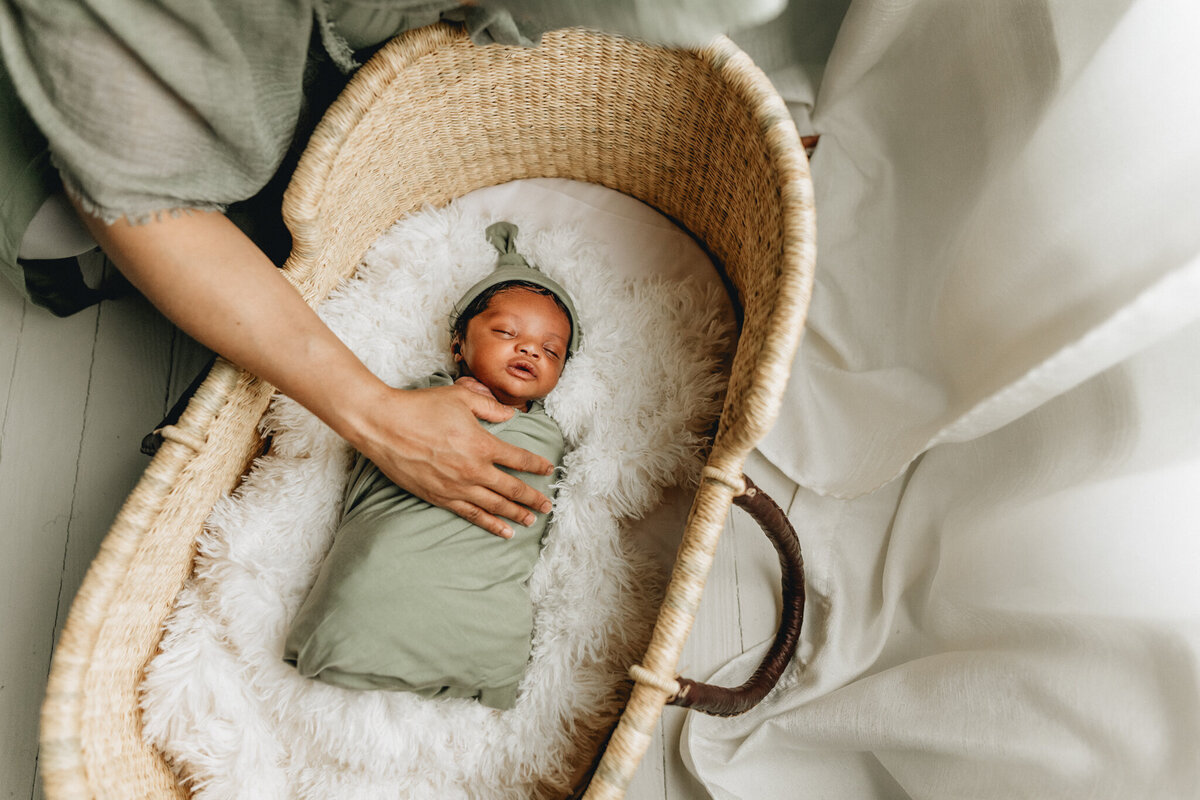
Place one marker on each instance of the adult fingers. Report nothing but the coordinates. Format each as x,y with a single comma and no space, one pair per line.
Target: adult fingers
516,490
489,510
512,489
520,460
477,516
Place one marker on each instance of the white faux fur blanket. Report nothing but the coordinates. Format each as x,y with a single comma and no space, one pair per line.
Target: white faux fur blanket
236,722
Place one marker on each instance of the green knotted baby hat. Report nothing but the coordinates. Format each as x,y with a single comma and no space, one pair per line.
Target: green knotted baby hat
512,266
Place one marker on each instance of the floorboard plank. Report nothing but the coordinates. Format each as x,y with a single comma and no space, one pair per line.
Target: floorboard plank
130,373
680,783
649,782
759,589
41,436
12,315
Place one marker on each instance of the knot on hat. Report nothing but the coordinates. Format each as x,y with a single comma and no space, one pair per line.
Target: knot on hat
503,236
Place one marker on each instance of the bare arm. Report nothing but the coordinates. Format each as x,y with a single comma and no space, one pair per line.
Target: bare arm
208,278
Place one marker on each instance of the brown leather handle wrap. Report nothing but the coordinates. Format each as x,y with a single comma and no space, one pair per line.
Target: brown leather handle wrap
723,702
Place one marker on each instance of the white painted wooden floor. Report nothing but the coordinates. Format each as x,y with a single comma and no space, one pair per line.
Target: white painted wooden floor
76,397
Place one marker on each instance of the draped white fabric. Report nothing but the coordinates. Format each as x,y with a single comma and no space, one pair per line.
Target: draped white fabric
994,420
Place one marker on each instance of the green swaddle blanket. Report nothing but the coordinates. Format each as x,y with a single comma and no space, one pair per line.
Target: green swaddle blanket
413,597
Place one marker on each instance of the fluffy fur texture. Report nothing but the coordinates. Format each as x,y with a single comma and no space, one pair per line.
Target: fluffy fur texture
634,404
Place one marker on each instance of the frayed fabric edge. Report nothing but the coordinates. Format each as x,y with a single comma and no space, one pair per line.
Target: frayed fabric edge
335,44
154,210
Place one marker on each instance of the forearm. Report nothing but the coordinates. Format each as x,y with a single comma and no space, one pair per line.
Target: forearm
203,273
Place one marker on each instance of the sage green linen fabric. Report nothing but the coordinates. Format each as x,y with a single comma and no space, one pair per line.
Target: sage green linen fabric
152,106
413,598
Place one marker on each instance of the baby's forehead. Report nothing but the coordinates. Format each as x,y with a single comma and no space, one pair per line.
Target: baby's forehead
524,300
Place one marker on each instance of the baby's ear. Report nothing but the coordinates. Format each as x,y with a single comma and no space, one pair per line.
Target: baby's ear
456,349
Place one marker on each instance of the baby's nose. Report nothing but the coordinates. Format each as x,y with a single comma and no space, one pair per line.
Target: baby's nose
530,350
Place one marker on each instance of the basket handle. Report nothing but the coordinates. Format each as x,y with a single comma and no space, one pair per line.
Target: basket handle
723,702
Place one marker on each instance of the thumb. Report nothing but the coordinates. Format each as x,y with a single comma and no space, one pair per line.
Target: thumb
487,408
474,385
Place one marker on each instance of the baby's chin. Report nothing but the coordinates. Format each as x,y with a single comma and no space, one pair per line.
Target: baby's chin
509,400
516,402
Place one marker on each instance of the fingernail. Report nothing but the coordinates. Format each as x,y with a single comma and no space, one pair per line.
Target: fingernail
546,507
507,533
529,519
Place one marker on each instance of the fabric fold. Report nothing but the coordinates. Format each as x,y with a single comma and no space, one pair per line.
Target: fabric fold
993,420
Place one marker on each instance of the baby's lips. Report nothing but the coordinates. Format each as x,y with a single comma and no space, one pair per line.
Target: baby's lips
524,366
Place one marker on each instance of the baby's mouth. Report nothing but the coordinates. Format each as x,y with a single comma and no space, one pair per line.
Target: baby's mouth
522,369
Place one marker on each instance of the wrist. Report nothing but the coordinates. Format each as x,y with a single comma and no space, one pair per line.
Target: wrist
353,415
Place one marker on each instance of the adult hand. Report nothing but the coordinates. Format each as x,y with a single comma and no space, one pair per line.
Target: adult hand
429,442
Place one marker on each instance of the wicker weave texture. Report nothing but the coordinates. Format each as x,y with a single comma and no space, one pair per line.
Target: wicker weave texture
701,136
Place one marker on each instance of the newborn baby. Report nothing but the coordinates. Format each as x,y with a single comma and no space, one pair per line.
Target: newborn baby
411,596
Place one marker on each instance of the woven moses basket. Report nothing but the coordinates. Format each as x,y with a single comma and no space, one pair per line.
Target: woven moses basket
699,135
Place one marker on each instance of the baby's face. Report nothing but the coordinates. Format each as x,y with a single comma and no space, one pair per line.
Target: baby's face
517,346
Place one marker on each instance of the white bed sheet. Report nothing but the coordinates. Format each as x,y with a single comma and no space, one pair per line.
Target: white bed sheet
994,419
